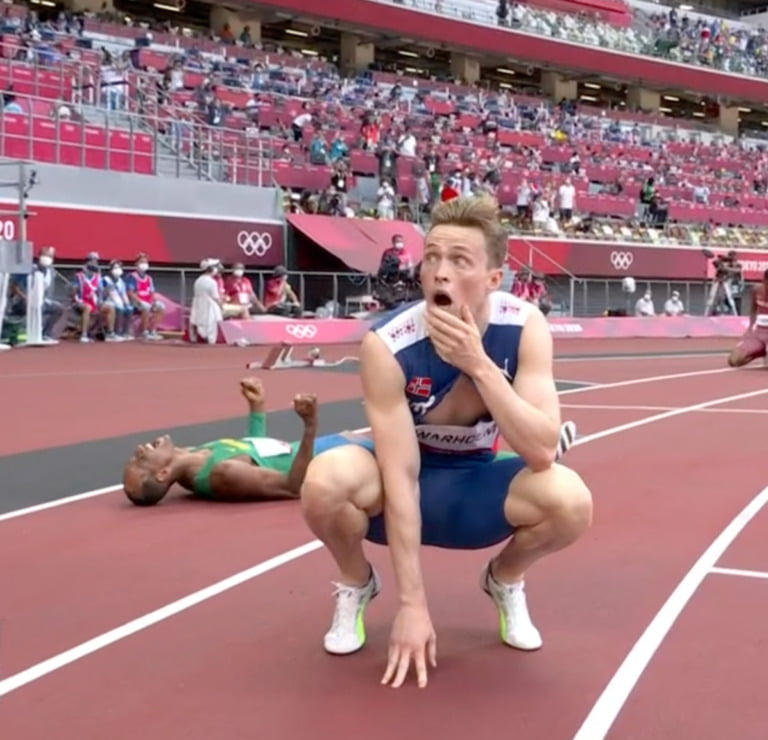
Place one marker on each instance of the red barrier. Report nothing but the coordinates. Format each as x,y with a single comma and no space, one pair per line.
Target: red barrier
663,327
276,331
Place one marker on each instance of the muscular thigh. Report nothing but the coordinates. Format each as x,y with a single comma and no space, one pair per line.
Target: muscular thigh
462,503
349,471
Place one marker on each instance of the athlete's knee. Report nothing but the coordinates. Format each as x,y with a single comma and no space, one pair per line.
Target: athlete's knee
557,496
337,477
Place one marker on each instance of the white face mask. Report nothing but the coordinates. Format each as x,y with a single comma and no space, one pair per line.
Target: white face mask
238,273
142,267
117,272
45,260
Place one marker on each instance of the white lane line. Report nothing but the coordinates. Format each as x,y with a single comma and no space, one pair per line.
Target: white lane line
708,355
649,379
110,489
610,703
97,643
610,407
136,625
739,573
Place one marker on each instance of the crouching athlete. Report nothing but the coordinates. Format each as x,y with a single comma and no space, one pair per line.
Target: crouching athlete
253,468
441,378
754,343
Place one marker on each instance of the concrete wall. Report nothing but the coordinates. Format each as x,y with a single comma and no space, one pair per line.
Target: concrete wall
75,186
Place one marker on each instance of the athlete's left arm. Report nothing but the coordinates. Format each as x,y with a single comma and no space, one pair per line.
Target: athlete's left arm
527,411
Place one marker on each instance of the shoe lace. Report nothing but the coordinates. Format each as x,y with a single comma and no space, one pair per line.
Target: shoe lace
347,600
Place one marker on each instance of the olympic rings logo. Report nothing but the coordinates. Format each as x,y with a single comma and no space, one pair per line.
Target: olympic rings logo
622,260
252,243
301,331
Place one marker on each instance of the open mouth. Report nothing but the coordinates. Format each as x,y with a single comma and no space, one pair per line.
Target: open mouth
442,299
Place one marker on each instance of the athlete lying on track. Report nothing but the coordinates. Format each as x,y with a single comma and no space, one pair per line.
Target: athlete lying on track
253,468
754,343
441,377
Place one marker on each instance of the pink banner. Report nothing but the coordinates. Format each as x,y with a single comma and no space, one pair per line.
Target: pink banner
274,330
668,327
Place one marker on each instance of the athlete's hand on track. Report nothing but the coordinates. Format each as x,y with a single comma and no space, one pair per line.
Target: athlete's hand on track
457,341
305,405
412,639
253,391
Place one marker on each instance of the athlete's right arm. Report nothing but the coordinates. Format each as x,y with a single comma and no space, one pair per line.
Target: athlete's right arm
397,454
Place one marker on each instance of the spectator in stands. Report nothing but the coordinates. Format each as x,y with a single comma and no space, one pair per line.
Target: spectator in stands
300,122
240,292
644,305
144,298
115,294
567,198
674,305
9,103
339,149
647,194
318,151
385,200
205,312
279,297
87,297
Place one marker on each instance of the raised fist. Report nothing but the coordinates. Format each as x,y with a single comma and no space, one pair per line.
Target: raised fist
305,405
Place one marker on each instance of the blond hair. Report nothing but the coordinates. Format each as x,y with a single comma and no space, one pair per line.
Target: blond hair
476,212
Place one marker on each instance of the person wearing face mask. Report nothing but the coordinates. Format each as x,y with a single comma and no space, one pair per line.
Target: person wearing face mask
87,296
644,305
141,291
116,296
240,294
52,310
206,310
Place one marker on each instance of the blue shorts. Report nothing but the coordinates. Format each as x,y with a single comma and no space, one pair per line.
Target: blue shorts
462,498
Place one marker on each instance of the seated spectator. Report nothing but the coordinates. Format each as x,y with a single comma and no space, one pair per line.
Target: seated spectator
141,292
87,297
644,305
115,294
239,293
279,297
673,305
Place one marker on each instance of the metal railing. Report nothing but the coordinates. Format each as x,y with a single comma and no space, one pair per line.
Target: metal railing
594,296
115,139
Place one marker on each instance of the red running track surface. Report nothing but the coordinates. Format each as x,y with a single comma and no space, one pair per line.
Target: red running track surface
248,663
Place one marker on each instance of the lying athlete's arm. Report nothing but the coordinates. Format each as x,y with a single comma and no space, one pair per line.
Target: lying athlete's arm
236,480
528,411
257,423
397,454
304,455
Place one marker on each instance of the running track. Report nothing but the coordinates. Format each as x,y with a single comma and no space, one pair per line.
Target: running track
661,578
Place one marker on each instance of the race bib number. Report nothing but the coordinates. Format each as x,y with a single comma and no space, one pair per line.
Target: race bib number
268,447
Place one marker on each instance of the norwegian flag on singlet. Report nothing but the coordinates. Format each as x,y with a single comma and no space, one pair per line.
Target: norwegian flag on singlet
421,387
